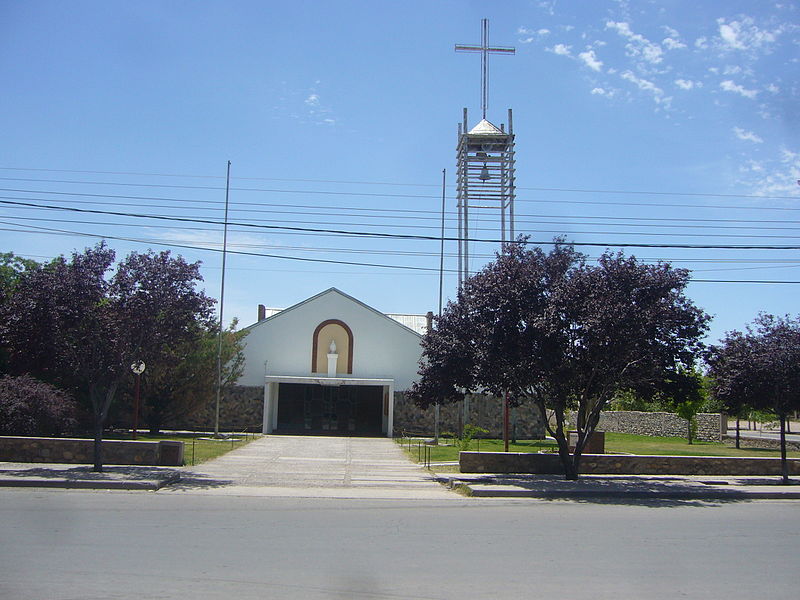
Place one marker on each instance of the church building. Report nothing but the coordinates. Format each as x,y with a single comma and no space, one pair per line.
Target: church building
331,365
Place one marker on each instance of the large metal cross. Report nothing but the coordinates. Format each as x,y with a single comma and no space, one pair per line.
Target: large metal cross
485,50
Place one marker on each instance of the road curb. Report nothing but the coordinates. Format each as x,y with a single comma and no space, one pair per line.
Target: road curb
478,492
91,484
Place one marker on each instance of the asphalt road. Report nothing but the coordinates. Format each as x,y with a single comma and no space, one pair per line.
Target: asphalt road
60,544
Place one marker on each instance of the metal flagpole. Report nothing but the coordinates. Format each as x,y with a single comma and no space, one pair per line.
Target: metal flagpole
222,301
441,285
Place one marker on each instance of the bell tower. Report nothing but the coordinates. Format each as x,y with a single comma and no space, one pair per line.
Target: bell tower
484,165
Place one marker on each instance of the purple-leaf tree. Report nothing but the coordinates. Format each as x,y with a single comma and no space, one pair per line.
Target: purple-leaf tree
69,324
759,369
551,329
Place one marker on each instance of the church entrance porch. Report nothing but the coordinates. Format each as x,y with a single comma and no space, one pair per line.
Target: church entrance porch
328,405
330,410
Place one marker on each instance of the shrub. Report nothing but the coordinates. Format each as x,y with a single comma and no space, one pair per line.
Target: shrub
31,407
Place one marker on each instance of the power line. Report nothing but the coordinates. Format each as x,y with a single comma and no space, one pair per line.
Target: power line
251,222
392,211
432,197
329,261
407,236
399,184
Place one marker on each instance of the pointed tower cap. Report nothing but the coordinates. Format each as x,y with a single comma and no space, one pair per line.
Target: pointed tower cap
485,128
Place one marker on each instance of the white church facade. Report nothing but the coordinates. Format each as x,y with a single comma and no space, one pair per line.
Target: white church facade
331,365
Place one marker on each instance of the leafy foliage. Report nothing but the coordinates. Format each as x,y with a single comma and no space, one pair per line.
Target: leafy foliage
562,333
69,325
758,369
186,377
31,407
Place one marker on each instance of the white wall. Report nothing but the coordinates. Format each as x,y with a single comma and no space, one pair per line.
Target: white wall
382,348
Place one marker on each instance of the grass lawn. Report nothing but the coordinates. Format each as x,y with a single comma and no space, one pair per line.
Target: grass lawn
616,443
195,449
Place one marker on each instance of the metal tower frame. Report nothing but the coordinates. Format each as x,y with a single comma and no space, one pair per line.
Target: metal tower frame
485,180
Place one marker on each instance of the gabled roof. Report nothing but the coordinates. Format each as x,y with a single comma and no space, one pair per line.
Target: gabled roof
485,128
334,290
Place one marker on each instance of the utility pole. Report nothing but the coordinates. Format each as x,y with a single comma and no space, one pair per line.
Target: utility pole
222,302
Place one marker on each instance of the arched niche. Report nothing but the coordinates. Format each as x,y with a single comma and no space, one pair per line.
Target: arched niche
339,332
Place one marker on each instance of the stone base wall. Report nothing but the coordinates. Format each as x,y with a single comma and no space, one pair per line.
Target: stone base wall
762,443
484,411
711,427
606,464
78,451
240,408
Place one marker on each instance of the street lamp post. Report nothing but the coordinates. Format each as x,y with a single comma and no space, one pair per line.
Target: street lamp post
138,369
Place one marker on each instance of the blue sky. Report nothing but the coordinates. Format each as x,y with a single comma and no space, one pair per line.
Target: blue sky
661,123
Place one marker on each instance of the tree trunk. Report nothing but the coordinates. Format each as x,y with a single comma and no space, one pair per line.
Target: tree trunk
570,468
98,443
689,430
784,464
737,432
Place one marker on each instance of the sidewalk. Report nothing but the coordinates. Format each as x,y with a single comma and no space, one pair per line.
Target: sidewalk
53,475
588,487
671,487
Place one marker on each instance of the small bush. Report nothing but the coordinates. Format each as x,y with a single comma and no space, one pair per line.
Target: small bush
31,407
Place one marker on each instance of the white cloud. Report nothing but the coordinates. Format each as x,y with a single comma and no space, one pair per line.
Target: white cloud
701,43
560,49
747,136
590,60
730,86
531,34
779,177
688,84
752,166
312,100
645,85
773,89
731,70
745,34
672,44
598,91
638,46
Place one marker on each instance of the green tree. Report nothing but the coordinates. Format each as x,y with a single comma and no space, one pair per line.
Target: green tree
758,369
69,325
684,393
562,333
186,379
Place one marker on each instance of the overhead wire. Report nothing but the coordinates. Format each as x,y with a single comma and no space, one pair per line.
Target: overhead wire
399,184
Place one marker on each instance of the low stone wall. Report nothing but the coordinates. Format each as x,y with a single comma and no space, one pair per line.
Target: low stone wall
79,451
762,442
484,411
240,408
711,427
609,464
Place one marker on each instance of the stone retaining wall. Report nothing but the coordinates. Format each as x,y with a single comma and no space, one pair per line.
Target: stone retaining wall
609,464
240,408
484,412
79,451
711,427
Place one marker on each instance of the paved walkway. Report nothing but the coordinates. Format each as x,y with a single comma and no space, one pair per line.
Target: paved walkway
314,466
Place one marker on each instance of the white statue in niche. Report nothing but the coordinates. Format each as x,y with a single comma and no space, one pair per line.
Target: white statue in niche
332,347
